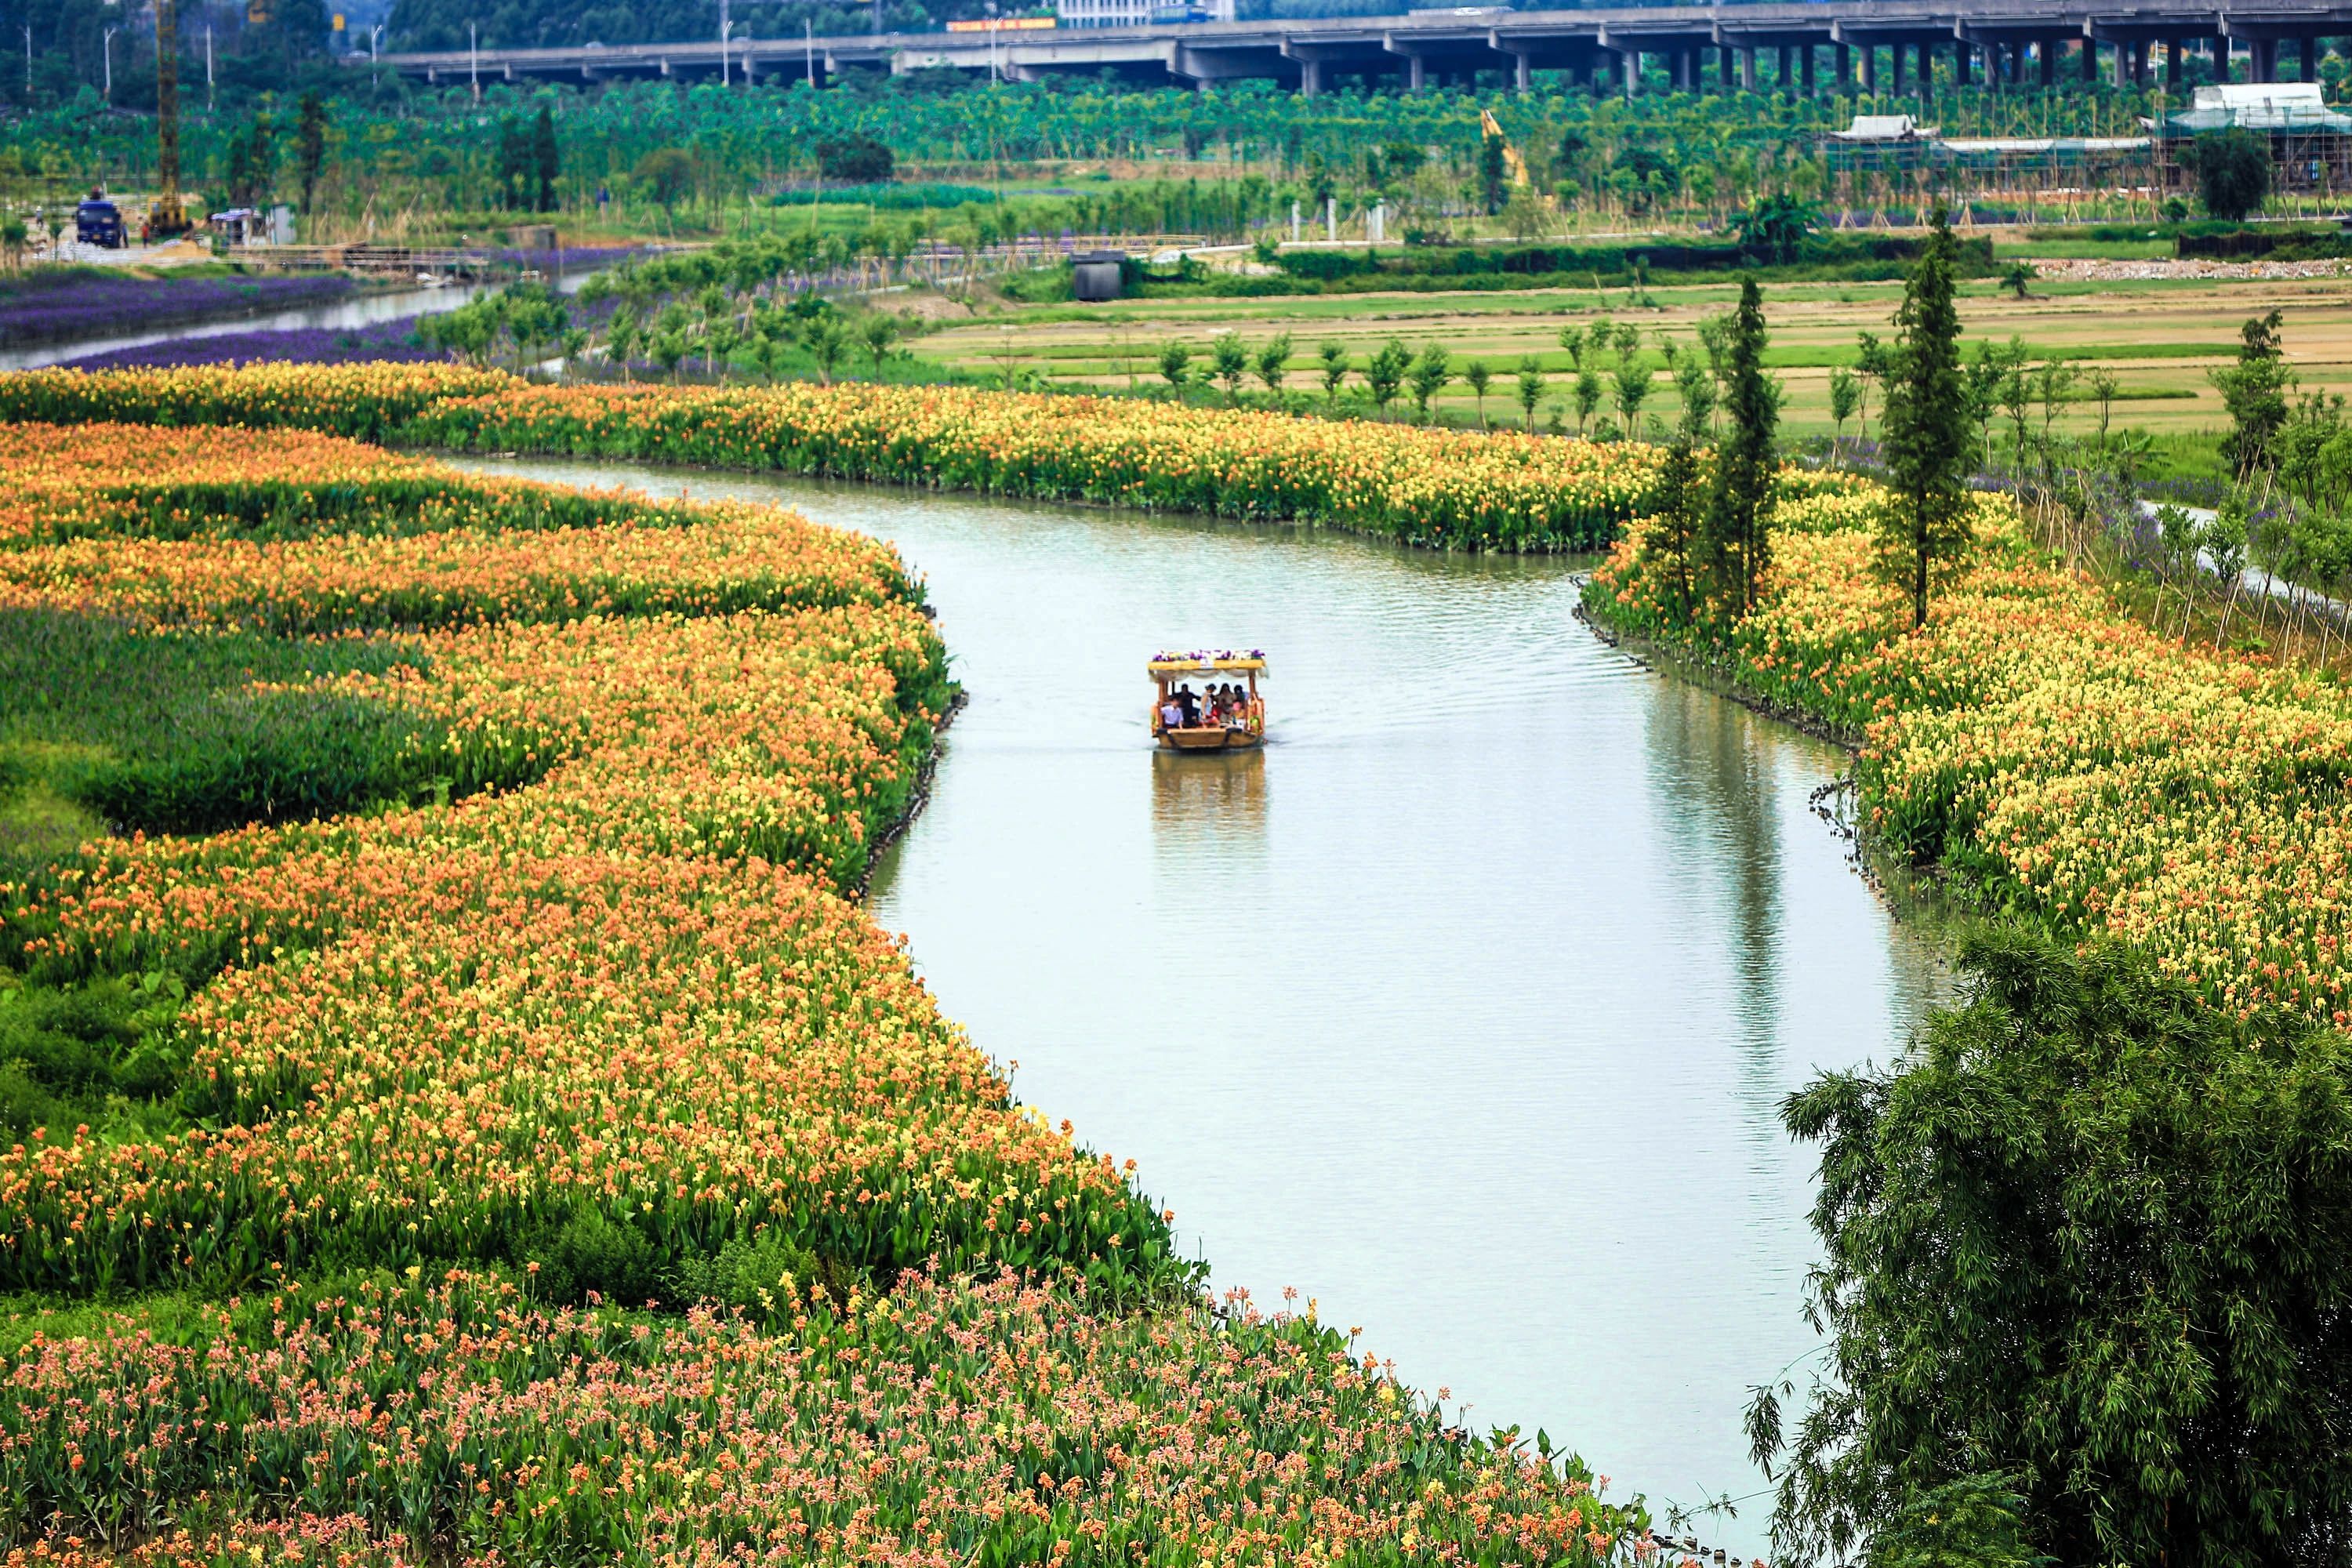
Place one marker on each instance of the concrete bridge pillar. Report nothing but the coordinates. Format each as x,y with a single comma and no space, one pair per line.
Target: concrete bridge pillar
1723,71
1310,78
1747,70
1963,57
2265,58
1842,67
2172,65
1416,75
1898,63
1805,64
1632,64
2048,49
1787,71
1523,72
1869,63
2310,71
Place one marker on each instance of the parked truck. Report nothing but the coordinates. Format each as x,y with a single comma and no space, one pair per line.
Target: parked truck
98,222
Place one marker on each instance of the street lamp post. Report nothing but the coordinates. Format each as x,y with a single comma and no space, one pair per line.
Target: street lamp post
108,47
474,61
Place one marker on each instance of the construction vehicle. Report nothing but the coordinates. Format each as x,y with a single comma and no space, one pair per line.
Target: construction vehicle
1488,125
98,222
167,220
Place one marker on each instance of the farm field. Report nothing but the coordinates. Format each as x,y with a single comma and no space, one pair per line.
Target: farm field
2159,338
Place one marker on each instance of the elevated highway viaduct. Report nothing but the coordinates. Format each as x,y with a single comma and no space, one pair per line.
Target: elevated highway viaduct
1876,45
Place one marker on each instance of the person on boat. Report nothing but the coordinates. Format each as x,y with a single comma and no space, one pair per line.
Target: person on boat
1190,705
1171,715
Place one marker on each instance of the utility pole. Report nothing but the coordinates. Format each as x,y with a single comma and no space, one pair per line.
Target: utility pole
725,27
28,65
108,47
808,51
474,61
208,60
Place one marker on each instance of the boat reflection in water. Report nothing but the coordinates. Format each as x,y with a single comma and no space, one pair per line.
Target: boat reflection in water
1217,794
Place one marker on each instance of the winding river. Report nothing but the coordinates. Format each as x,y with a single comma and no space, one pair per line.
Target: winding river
1466,1008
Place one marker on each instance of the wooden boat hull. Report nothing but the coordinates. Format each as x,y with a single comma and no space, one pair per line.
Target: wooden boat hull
1208,740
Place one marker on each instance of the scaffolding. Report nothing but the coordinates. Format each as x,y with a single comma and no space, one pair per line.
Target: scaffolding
1883,159
2310,144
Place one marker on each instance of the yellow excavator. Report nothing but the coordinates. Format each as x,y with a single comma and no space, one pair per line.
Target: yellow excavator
1490,126
1513,165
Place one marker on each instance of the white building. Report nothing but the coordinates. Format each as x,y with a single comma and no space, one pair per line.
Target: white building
1103,13
1140,13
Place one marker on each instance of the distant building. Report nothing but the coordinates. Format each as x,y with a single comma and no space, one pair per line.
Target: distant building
1140,13
1103,13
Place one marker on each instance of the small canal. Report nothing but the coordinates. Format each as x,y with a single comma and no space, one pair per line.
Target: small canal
360,310
1466,1008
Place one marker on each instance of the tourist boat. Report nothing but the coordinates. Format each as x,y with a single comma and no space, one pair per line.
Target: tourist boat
1171,673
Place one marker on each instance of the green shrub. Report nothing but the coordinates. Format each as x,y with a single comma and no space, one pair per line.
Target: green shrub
759,1274
66,1051
588,1252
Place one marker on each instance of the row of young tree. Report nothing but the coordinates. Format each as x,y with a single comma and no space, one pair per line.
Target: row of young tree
438,148
1711,536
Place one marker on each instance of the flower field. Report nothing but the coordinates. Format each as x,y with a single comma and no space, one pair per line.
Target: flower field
1444,488
391,340
51,304
2064,761
364,401
492,981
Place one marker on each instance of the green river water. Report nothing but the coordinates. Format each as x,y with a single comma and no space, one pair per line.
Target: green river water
1466,1008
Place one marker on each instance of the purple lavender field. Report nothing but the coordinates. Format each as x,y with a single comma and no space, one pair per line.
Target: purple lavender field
51,306
393,339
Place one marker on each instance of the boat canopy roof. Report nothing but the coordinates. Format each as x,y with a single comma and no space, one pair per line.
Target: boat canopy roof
1225,661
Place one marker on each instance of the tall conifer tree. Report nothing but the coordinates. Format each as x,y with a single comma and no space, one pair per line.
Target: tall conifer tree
1737,550
1927,433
